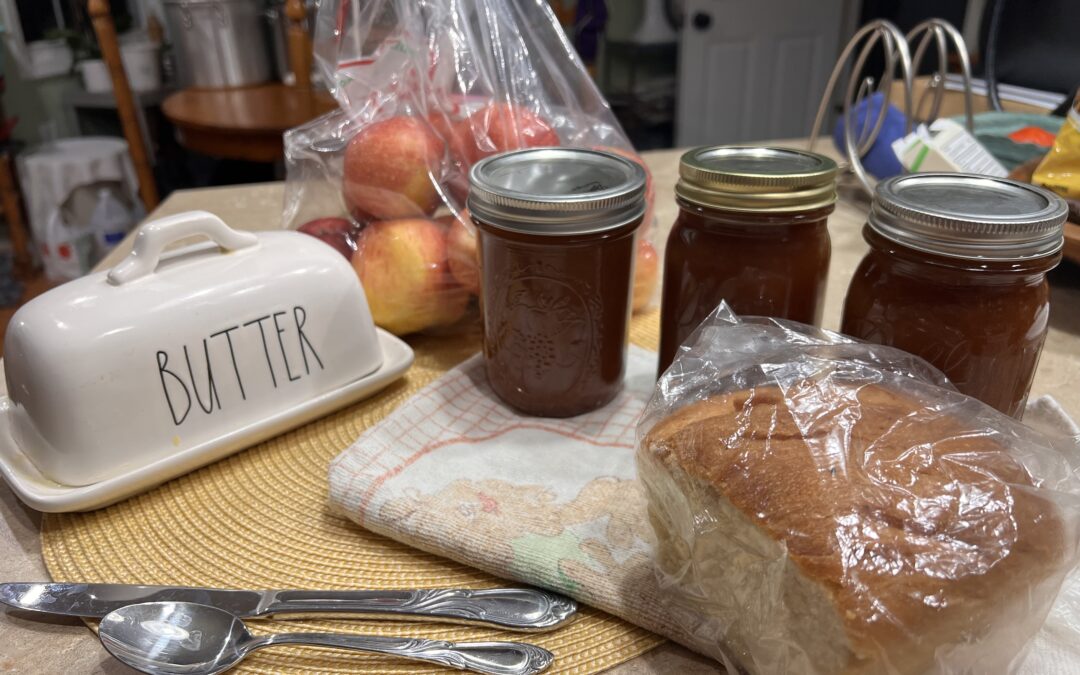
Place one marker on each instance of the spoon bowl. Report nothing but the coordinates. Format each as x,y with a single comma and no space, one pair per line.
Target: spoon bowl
184,638
175,637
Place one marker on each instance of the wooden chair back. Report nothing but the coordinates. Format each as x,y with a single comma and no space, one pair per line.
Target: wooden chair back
12,208
300,49
105,30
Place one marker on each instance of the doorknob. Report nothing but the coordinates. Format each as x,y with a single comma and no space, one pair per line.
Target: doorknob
701,20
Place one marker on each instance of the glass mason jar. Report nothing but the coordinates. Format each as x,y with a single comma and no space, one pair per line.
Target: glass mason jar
557,240
752,231
956,274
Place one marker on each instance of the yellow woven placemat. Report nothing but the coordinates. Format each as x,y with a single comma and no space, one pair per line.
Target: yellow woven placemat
260,519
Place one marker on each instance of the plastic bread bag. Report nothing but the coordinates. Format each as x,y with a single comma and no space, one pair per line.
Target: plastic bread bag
828,506
427,88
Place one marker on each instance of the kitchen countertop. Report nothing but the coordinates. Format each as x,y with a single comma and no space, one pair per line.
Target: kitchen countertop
68,647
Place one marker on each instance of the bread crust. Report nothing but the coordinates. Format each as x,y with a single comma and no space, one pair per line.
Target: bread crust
921,530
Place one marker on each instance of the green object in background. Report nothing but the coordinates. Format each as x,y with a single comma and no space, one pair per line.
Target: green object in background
920,158
992,129
38,104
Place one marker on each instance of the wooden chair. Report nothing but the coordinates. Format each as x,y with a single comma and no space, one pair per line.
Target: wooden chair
11,206
299,43
247,123
105,30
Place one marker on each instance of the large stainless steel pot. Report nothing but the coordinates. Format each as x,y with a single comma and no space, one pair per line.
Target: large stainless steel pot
219,43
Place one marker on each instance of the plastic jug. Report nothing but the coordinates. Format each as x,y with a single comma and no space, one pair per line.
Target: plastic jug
67,251
110,221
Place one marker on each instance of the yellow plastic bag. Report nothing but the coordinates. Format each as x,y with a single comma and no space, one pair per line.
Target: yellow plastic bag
1060,169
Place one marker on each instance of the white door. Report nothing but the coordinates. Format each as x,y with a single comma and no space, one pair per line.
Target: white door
753,70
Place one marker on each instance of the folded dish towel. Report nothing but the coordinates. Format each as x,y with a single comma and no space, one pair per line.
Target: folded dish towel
555,503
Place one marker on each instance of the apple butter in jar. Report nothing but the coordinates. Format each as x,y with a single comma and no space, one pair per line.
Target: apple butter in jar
956,274
557,240
751,231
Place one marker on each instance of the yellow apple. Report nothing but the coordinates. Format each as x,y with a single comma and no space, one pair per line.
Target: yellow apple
403,268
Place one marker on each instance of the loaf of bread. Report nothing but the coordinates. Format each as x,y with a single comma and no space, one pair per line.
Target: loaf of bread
831,528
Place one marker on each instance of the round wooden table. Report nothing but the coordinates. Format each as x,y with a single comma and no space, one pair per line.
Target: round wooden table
243,123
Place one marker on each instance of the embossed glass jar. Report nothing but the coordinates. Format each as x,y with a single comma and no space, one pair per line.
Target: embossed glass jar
752,231
556,230
956,274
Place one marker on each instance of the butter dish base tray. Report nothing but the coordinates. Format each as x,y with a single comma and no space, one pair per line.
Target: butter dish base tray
42,494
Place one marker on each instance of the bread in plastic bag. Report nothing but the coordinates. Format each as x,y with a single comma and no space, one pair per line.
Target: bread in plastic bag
427,88
828,506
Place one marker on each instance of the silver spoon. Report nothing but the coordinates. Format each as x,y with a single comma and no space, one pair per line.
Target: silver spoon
167,638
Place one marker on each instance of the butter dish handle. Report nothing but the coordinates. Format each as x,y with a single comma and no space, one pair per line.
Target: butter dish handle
154,236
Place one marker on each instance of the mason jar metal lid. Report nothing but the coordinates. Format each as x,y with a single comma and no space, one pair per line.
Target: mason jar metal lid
746,178
557,191
969,216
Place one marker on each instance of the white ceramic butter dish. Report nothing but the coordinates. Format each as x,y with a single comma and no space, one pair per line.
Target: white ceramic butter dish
123,379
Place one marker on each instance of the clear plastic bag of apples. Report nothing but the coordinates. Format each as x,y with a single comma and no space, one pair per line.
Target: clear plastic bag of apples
427,88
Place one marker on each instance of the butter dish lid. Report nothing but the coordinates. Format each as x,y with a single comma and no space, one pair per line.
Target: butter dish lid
185,352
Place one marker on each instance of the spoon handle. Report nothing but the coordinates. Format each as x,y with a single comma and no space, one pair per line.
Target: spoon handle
496,658
520,609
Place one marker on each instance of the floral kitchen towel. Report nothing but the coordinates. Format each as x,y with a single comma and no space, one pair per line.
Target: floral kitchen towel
555,503
548,502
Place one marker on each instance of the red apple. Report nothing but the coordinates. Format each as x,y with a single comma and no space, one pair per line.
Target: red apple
452,134
646,272
455,179
390,166
456,183
337,232
403,268
498,127
462,253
